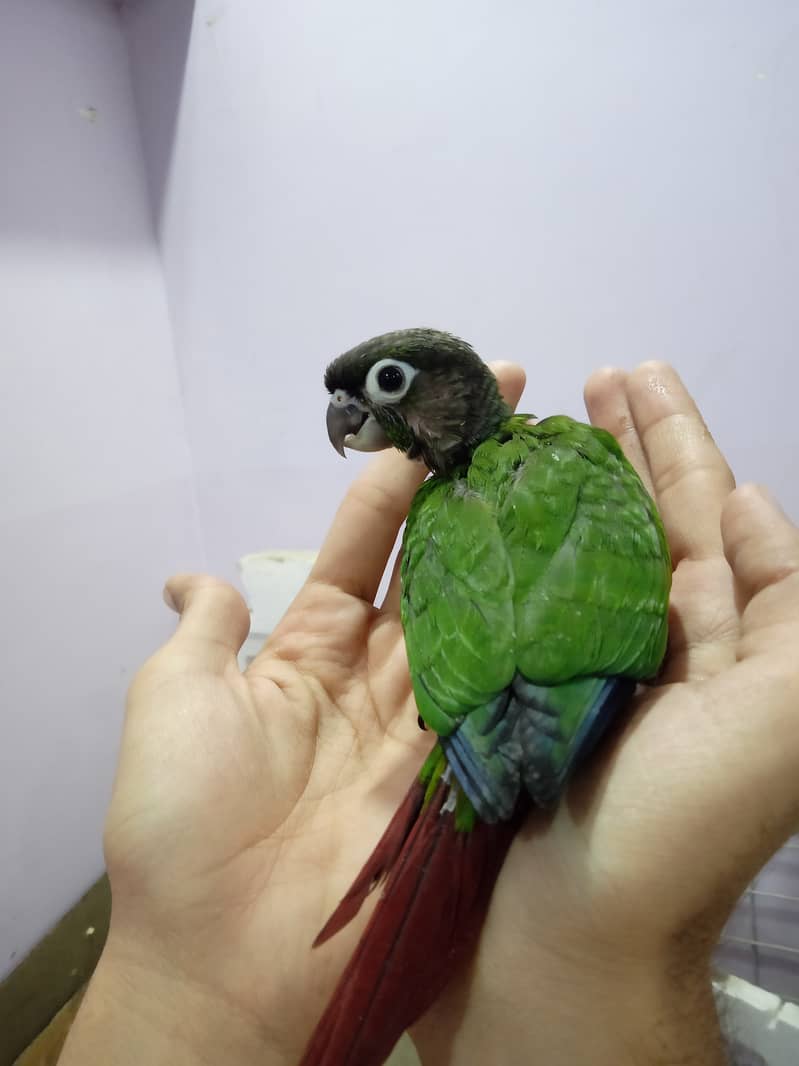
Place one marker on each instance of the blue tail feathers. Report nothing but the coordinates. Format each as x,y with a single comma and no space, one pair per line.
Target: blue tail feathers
531,736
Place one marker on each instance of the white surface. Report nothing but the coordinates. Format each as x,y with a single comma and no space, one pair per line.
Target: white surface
98,503
759,1020
271,580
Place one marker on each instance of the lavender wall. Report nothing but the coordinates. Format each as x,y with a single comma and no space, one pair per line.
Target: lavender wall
564,184
158,37
98,502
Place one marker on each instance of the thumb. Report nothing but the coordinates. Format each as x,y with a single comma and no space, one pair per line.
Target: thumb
762,547
760,541
213,615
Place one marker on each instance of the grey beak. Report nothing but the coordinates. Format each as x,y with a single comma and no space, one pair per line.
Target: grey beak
341,421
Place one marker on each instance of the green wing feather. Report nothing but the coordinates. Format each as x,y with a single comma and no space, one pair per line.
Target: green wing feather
457,603
546,559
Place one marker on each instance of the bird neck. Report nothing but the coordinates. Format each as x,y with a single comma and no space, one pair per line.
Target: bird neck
447,445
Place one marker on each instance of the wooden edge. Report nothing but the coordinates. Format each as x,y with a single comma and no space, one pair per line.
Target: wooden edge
48,1045
57,968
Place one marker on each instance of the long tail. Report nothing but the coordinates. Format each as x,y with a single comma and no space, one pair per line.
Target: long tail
439,869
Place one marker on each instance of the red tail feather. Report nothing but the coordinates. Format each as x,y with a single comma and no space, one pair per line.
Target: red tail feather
438,884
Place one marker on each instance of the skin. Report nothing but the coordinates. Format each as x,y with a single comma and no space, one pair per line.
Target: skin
245,804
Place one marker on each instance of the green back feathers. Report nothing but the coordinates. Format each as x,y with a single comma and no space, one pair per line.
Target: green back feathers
546,557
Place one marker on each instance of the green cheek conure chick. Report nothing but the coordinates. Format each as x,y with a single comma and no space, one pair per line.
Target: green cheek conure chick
535,585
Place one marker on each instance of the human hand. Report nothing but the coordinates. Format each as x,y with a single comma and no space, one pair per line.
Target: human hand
598,941
245,803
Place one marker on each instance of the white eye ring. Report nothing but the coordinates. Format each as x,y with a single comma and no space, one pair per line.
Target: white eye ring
372,386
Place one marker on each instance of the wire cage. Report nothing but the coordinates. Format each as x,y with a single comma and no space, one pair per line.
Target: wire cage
761,941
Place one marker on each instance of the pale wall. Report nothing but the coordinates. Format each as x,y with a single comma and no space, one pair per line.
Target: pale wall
566,184
97,505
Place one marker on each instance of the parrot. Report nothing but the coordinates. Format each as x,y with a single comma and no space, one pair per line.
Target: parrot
535,578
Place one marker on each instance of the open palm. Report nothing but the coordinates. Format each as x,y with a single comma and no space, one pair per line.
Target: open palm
245,803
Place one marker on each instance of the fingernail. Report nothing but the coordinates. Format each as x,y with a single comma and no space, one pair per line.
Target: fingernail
170,600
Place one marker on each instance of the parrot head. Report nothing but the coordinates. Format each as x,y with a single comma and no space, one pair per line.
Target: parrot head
420,390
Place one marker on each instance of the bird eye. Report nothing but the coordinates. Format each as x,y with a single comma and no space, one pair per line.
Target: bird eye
390,378
388,381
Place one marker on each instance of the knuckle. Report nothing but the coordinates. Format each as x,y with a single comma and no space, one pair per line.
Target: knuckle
378,499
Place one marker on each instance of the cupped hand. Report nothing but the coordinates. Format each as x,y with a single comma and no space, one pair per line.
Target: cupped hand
245,803
631,881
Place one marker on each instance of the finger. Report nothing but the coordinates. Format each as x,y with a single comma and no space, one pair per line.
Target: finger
511,379
607,406
761,545
690,476
359,543
214,619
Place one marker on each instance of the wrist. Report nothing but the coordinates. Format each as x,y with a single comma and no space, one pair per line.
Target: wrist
657,1014
137,1009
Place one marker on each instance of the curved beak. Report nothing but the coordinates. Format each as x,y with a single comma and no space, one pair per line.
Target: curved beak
342,422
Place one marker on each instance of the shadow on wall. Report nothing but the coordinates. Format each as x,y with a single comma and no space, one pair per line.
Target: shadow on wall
158,37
